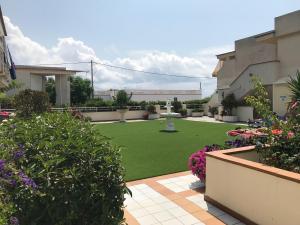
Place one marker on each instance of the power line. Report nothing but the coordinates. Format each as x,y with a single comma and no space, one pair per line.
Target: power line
129,69
154,73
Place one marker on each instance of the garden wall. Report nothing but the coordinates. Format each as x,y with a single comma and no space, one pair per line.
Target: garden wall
113,115
253,192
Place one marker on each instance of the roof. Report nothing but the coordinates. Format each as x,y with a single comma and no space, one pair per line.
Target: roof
226,53
58,69
2,22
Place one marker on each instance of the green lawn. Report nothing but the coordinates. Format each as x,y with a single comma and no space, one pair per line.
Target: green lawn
148,152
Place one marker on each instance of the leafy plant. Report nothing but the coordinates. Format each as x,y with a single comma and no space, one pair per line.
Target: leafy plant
213,110
229,102
183,112
30,102
151,109
81,90
176,105
260,101
75,173
122,99
294,85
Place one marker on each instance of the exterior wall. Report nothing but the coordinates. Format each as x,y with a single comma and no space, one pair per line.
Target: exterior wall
112,116
249,51
259,196
154,95
227,73
281,98
288,54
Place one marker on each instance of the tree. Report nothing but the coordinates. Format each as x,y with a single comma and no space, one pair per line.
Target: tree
81,90
50,89
122,99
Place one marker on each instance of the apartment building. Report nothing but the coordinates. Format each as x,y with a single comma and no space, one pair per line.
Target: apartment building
272,56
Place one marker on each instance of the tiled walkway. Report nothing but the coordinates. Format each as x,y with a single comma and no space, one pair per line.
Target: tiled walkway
174,199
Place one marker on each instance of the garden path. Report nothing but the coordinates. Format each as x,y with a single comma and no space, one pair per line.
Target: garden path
174,199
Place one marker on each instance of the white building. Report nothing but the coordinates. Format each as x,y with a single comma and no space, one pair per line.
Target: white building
34,78
153,95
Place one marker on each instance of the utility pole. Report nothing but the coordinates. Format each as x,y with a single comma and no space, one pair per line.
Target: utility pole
92,78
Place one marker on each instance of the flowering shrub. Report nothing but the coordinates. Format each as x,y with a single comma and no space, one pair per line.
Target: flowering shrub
282,146
197,161
58,170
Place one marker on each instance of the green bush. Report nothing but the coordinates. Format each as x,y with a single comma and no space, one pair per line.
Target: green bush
176,105
30,102
77,171
151,109
122,99
229,102
183,112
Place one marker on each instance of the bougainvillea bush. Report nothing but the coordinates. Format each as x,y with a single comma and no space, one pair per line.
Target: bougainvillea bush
58,170
197,161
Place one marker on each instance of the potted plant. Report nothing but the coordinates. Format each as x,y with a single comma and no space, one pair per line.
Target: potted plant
183,112
152,114
121,100
229,103
198,112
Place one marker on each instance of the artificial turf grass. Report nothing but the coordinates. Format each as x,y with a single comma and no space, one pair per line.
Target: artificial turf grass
148,152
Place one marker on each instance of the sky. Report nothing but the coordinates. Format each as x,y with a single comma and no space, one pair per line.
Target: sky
179,37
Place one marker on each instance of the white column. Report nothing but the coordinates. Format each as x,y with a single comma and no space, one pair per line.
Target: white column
62,88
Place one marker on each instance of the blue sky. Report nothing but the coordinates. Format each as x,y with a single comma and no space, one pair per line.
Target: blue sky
125,31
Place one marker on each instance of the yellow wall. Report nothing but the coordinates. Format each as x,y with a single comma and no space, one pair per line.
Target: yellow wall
281,98
262,198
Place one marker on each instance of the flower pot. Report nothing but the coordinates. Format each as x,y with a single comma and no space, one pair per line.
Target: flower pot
230,119
189,112
153,116
122,114
197,114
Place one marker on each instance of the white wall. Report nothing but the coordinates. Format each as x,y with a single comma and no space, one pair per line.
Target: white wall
113,116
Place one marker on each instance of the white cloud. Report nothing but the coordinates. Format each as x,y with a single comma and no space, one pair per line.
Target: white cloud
27,51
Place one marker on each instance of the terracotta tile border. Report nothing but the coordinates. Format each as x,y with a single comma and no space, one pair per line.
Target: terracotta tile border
228,156
177,198
130,220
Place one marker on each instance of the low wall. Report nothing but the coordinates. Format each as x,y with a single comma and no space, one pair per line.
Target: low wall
244,113
253,192
114,115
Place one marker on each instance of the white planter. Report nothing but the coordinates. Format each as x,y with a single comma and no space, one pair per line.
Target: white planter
197,114
216,117
122,114
153,116
189,112
209,114
230,119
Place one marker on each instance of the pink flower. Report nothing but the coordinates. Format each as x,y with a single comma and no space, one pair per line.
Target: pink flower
294,105
276,132
290,134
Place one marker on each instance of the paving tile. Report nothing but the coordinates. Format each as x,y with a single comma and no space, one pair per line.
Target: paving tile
163,216
172,222
178,212
147,220
139,213
188,219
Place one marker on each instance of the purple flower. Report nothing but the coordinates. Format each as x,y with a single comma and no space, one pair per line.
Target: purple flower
14,221
2,164
18,154
27,181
